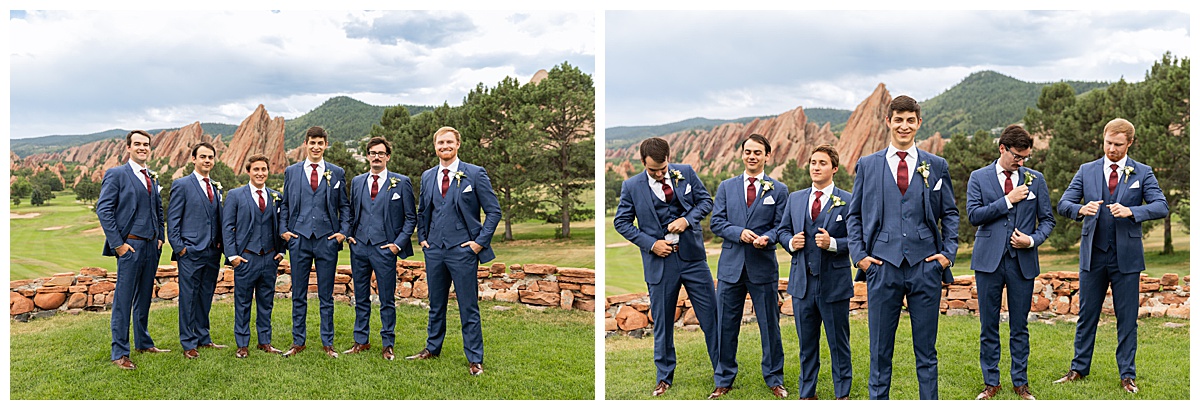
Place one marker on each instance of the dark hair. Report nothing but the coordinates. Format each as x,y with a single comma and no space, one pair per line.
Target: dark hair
203,144
315,132
656,148
904,103
759,139
1015,137
380,140
828,150
129,137
256,158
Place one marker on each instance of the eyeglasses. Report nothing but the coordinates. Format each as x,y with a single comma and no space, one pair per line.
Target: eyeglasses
377,154
1018,158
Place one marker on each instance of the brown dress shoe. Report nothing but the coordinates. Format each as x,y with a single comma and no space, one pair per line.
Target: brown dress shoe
1070,377
296,349
779,391
269,349
1023,392
213,346
718,392
844,398
424,354
242,352
387,353
124,363
814,397
357,348
1129,385
660,389
191,354
152,350
988,392
476,369
329,351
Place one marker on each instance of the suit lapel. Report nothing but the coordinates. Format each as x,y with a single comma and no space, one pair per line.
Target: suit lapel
827,210
197,185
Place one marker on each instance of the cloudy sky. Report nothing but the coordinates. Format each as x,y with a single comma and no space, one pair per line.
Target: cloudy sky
78,72
662,67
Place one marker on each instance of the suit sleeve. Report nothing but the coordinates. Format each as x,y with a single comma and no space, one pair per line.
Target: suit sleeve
410,213
948,214
352,210
719,223
979,213
158,209
423,213
1045,216
1152,195
228,219
781,199
704,201
623,221
854,224
283,202
106,208
175,216
1068,204
491,209
343,205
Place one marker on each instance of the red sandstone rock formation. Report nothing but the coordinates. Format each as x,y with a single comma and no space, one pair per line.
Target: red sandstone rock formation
177,145
866,130
257,134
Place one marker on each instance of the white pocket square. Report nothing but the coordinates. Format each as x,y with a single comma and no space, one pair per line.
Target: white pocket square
339,185
769,200
688,190
1136,185
469,189
395,196
160,188
839,219
938,185
1031,195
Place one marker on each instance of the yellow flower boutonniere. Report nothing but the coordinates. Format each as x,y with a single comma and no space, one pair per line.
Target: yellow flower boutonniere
924,171
392,182
766,185
1029,177
1128,171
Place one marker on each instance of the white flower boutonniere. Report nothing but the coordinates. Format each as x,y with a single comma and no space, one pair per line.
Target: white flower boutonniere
676,175
837,201
153,175
329,176
766,185
392,182
275,196
1128,171
924,171
217,185
1029,177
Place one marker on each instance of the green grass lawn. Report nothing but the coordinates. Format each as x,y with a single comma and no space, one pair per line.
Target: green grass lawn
39,245
529,354
1162,363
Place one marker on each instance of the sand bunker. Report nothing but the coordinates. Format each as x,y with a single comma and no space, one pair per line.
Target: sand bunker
12,215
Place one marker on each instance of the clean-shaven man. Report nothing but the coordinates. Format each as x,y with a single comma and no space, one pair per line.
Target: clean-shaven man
194,231
250,221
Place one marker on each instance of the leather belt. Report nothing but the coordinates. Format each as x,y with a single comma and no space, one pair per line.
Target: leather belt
258,253
131,236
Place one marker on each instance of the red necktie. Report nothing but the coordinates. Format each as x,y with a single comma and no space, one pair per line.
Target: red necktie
374,186
902,173
312,178
667,191
1112,180
445,181
209,187
148,183
816,208
262,202
1007,182
751,192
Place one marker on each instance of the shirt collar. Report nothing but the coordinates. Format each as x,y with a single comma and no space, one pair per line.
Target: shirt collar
1120,163
254,190
666,176
453,167
746,177
912,151
1000,170
825,192
199,177
382,175
137,169
308,164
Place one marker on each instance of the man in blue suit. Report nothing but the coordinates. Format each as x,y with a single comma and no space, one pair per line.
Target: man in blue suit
383,216
250,226
668,202
900,196
194,231
314,219
813,230
1120,194
746,211
455,242
131,215
1011,206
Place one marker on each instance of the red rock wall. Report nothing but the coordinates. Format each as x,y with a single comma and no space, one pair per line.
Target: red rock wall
257,134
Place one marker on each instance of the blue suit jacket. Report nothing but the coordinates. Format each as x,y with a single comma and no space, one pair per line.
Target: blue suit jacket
191,217
240,211
834,267
987,210
637,203
336,204
1091,184
872,176
467,204
117,205
730,216
400,214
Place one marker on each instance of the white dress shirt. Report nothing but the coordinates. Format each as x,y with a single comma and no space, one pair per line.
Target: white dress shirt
320,170
137,170
1000,178
812,196
453,170
746,184
657,187
893,160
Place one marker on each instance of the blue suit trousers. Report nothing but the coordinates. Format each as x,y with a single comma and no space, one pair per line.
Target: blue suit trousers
135,287
731,303
302,253
366,259
812,311
457,265
198,271
1093,287
990,287
887,288
697,279
253,281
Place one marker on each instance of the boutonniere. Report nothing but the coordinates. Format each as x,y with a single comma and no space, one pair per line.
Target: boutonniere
392,182
766,185
329,176
275,196
676,175
837,201
153,175
924,171
1128,171
458,176
1029,177
218,185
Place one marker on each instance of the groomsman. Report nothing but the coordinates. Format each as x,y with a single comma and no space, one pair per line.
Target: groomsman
813,230
383,215
668,202
250,221
131,215
746,211
455,243
314,219
194,231
901,194
1120,194
1011,206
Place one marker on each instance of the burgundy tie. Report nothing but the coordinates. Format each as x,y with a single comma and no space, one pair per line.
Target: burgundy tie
262,202
374,186
148,183
751,192
902,173
1112,180
816,208
312,178
667,191
208,186
1007,182
445,181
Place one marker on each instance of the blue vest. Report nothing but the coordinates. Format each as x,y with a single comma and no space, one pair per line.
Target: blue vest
668,212
371,218
443,229
903,224
145,219
313,221
811,251
262,234
1106,225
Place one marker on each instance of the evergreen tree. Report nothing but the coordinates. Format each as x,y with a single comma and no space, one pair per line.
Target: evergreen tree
965,155
565,116
1163,130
